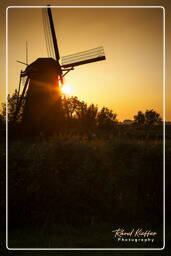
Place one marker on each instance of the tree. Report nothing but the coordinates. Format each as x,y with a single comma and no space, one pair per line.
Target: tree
12,104
106,119
152,118
79,113
88,116
149,118
3,112
70,105
139,118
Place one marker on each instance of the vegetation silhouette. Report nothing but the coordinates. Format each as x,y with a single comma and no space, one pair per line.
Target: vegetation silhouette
71,115
67,114
149,118
87,170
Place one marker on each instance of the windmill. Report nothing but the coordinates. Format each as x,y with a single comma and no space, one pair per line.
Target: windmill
42,78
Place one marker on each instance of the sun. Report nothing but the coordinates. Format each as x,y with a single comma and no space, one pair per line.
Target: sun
66,89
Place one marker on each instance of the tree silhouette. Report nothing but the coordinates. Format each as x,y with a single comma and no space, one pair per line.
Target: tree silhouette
70,105
76,111
87,115
149,118
106,119
152,117
139,118
72,114
12,101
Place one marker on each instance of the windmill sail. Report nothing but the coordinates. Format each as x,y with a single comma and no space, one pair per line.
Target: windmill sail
50,35
80,58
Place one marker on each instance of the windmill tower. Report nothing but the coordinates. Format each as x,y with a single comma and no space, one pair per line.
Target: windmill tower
43,77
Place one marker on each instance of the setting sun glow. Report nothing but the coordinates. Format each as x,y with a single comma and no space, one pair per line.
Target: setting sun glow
66,89
131,77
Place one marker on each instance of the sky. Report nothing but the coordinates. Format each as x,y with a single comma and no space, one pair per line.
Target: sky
131,77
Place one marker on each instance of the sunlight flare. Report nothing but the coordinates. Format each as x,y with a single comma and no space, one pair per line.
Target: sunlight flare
66,89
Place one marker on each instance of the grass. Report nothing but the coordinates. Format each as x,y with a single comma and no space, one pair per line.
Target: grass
69,191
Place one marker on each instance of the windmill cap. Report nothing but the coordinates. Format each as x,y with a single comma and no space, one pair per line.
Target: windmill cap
43,64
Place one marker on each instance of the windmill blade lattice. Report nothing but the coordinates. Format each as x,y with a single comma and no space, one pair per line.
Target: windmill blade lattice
48,35
84,57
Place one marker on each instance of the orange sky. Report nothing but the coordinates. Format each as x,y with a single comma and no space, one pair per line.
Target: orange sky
131,77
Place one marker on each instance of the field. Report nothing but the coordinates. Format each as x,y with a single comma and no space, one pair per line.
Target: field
72,190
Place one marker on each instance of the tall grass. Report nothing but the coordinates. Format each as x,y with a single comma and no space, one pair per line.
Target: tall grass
82,181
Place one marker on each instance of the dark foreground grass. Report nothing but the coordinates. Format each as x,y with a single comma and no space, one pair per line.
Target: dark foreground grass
71,192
